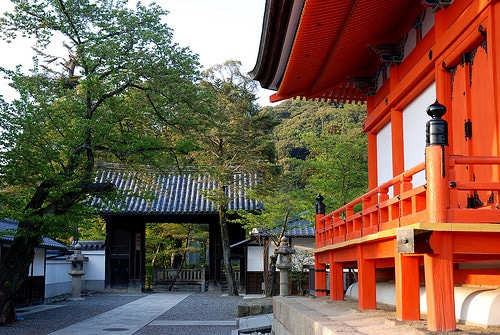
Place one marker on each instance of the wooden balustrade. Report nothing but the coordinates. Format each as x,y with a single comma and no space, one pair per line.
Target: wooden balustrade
396,203
486,210
186,276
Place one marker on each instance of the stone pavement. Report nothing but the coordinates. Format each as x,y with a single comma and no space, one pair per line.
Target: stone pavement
213,313
176,313
126,319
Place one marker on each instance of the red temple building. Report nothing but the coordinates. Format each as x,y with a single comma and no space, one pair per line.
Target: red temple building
429,73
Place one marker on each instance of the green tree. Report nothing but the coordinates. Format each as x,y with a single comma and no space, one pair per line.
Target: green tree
322,149
337,166
169,241
119,93
284,205
235,141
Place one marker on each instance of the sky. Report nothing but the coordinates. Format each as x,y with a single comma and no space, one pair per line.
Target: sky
216,30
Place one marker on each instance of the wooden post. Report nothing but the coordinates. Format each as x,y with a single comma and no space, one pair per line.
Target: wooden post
336,279
437,164
367,282
320,224
407,287
319,277
319,267
438,266
439,284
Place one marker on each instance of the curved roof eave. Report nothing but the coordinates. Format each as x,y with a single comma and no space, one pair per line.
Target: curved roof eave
332,46
279,26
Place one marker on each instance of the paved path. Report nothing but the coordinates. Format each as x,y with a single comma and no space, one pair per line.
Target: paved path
126,319
166,313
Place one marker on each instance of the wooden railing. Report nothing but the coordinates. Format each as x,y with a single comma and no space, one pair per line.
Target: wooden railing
186,276
164,277
464,211
378,211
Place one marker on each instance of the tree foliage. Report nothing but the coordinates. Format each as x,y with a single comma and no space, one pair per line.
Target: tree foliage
167,239
168,245
322,149
234,141
119,90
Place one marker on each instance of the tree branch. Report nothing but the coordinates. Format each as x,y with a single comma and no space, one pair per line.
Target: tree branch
109,95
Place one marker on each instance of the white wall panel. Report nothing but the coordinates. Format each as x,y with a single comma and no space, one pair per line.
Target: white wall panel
255,258
414,120
38,266
384,154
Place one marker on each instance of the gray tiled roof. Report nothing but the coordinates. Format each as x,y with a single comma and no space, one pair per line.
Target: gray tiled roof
302,231
90,245
296,228
172,193
8,227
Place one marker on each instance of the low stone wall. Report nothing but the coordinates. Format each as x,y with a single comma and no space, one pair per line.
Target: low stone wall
301,315
293,319
256,306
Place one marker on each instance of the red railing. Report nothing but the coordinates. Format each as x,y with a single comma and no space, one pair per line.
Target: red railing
379,212
461,209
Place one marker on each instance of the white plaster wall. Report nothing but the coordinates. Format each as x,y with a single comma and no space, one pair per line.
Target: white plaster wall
57,279
37,267
57,271
414,120
95,270
302,243
255,253
96,265
255,258
384,156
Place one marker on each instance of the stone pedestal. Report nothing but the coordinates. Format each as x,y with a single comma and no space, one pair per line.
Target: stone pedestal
77,271
284,264
283,281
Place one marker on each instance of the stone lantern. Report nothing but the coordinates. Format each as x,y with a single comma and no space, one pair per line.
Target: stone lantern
77,271
284,264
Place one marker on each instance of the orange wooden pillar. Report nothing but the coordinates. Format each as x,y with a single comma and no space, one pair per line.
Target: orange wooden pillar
367,281
439,284
438,266
336,279
407,287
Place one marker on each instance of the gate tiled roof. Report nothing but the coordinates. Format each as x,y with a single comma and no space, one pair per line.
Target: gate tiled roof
159,192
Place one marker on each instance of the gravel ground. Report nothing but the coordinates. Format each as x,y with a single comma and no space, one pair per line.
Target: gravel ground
210,306
48,320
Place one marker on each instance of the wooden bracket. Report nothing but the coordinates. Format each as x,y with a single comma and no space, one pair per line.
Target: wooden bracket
414,241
